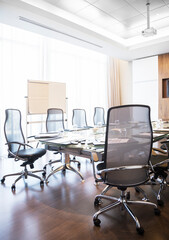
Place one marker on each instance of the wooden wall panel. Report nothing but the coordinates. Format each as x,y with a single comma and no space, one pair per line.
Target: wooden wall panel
163,73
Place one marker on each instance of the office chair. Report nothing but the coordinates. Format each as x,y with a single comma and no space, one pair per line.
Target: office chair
98,117
159,171
55,123
160,164
126,158
79,118
18,149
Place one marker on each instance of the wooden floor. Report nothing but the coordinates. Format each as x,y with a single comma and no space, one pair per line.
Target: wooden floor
63,209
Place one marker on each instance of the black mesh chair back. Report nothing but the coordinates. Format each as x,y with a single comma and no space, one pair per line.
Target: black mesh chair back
98,118
79,118
55,120
13,130
128,143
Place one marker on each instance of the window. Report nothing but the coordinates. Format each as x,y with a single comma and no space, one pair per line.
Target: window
29,56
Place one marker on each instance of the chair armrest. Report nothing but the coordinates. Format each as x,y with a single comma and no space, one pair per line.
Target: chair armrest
158,150
16,157
165,142
19,143
33,136
106,170
161,163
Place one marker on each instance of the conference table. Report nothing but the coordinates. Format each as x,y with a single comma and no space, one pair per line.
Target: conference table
81,143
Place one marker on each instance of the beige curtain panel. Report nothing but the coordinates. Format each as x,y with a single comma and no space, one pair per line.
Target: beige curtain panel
113,86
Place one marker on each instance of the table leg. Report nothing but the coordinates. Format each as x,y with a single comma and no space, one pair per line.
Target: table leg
66,165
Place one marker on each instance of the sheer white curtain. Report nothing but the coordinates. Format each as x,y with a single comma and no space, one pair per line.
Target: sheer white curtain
20,60
28,56
113,84
83,71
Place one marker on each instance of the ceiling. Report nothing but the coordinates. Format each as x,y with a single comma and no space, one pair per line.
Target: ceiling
125,18
120,22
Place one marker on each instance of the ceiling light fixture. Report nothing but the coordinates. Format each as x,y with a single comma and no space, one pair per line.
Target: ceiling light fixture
149,31
57,31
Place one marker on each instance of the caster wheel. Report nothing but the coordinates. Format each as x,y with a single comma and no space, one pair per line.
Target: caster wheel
140,230
160,203
153,180
41,183
43,174
78,165
97,222
128,195
2,180
97,202
157,211
13,187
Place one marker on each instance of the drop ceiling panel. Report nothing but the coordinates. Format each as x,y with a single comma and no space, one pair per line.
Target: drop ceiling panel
91,1
53,2
104,20
159,13
124,13
89,13
116,28
109,5
140,5
136,21
72,6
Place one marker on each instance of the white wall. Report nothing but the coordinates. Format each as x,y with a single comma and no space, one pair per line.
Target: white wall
145,83
126,82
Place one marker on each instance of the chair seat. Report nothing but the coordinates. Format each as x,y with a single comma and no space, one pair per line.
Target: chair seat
31,154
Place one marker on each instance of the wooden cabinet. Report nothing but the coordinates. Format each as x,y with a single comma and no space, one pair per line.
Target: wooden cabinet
163,86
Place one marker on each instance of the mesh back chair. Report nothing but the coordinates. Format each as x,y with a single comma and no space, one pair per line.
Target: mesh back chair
18,149
79,118
55,120
55,123
98,118
160,162
158,176
126,157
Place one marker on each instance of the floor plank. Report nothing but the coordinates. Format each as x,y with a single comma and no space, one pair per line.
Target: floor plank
63,209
